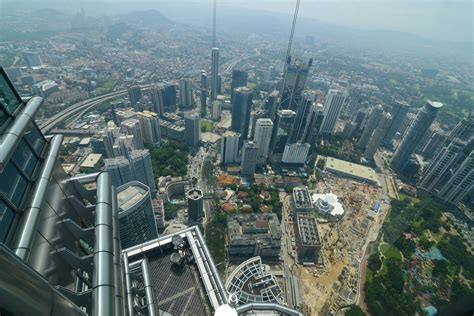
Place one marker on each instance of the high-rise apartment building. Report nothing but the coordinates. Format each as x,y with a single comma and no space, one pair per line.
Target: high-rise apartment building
333,105
150,127
248,161
461,183
263,135
239,79
372,123
195,204
134,94
413,135
398,112
440,169
377,136
186,94
136,218
464,130
229,147
214,73
241,109
434,144
132,127
294,83
136,167
192,129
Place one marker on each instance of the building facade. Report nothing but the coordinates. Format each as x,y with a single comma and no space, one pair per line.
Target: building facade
263,135
230,147
136,217
241,110
249,158
414,134
333,105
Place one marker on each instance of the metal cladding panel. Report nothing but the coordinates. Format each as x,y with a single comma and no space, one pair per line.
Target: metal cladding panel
34,295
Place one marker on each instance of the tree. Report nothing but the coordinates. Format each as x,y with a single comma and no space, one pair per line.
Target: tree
374,263
355,310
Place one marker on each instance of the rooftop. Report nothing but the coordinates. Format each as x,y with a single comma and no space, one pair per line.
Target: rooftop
91,160
351,169
328,203
130,196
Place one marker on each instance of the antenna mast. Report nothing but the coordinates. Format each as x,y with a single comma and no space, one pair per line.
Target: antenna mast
214,24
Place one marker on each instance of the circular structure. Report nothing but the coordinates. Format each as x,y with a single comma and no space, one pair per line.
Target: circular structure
177,241
252,284
225,310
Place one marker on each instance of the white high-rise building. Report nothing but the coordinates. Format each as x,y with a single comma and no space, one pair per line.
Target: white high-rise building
132,127
186,94
150,126
332,109
214,73
296,153
216,110
263,135
229,147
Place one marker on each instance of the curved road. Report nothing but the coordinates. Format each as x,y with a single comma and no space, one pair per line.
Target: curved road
76,107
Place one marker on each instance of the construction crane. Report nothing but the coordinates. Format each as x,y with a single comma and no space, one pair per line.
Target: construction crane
290,42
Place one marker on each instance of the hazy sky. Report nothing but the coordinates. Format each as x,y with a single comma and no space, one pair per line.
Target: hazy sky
436,19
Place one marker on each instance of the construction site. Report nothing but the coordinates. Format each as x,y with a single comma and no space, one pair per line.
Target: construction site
334,280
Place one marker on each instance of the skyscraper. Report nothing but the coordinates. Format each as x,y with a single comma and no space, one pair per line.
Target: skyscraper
216,110
195,204
241,108
295,153
263,135
332,109
150,127
229,147
301,119
156,96
136,218
214,73
134,94
203,96
271,104
284,122
186,94
413,135
248,161
398,112
377,136
294,83
239,79
169,98
432,147
372,122
316,120
137,167
440,169
464,130
192,129
132,127
461,182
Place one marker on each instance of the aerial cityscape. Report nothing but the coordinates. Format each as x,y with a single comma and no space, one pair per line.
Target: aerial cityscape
208,158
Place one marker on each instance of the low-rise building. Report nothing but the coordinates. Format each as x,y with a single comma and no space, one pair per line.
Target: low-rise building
252,235
307,239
